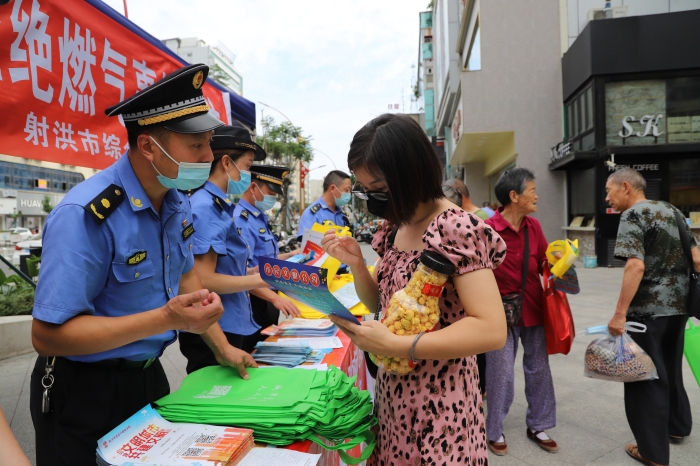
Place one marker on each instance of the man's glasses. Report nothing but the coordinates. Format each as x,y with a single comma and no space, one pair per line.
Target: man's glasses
360,193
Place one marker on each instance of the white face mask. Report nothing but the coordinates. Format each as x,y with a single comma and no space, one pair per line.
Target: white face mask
189,175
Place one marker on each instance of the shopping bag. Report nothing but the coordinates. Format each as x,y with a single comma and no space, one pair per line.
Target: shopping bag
558,320
691,349
618,358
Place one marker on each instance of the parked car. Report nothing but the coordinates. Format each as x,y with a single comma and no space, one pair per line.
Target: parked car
24,233
22,248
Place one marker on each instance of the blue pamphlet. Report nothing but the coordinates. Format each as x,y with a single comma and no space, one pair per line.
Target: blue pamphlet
305,283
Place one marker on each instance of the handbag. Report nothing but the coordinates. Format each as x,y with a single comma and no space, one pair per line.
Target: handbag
694,278
559,328
513,303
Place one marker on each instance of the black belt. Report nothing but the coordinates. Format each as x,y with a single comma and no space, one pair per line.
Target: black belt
119,363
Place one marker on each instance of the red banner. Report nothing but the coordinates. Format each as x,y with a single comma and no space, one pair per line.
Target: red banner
61,65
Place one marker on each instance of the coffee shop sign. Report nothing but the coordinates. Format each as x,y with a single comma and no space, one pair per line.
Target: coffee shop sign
649,123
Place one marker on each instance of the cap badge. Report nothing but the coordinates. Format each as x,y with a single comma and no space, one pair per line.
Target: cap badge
198,79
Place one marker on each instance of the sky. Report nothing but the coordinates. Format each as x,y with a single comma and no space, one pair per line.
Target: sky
329,66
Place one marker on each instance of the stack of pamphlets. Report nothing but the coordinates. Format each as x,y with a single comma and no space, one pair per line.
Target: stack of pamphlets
281,405
284,356
146,439
303,328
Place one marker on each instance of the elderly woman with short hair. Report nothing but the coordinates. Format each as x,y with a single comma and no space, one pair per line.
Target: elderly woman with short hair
516,191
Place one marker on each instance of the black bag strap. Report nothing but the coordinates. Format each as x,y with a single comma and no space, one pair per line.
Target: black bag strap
526,260
685,240
392,237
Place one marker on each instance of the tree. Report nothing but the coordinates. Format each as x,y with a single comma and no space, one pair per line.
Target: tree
46,204
285,146
218,74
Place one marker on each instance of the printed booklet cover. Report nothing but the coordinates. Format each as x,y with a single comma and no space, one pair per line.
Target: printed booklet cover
304,283
146,439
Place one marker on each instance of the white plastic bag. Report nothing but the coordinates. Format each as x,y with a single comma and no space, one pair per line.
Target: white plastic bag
618,358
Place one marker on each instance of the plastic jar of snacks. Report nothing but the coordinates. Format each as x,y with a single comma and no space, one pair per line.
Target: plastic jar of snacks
416,308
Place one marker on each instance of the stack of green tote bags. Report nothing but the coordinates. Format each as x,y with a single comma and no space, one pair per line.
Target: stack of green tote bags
281,406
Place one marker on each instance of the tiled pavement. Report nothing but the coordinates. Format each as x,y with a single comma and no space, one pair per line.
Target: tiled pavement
591,424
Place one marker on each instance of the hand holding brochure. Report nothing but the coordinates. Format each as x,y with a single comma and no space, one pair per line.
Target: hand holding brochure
304,283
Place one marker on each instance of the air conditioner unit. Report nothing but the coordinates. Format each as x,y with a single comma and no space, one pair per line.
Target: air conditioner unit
601,13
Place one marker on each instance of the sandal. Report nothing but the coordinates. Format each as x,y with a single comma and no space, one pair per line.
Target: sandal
633,451
499,448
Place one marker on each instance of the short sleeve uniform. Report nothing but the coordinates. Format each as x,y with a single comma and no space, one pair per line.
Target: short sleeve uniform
107,252
256,232
436,411
648,231
319,212
217,230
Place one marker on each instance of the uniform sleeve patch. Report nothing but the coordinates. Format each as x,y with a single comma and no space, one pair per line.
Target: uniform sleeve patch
105,203
187,231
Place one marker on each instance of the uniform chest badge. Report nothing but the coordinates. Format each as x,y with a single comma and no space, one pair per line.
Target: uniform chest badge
136,257
188,230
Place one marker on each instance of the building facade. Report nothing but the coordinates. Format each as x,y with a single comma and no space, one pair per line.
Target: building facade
425,80
498,81
218,57
635,104
25,183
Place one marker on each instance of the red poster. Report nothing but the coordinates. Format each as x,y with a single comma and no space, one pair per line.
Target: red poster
61,65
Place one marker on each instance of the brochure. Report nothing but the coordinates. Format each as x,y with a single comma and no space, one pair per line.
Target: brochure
305,284
146,439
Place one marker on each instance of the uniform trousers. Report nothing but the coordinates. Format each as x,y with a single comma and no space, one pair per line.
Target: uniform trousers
198,353
264,314
87,401
539,387
658,408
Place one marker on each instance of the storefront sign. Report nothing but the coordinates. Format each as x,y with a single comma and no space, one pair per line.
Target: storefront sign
33,203
649,124
61,65
560,151
640,167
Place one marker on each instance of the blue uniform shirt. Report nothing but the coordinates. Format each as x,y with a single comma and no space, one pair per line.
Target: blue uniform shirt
131,262
216,229
255,231
318,212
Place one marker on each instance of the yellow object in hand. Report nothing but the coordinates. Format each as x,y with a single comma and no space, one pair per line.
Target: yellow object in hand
569,252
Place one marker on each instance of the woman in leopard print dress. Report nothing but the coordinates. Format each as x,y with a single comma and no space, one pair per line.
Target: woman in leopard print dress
433,415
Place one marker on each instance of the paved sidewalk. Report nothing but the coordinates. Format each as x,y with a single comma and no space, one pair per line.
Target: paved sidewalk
591,424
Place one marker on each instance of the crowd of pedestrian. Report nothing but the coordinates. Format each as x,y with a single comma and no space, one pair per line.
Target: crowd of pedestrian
166,243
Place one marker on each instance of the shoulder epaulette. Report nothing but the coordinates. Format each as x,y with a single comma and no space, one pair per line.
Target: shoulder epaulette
315,208
244,214
218,203
105,203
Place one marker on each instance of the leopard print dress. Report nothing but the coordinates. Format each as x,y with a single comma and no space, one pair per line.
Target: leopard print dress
434,415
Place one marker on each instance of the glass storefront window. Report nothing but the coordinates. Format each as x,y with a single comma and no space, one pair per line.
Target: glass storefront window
582,196
685,186
589,108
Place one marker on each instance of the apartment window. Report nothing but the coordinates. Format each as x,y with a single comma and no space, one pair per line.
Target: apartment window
474,60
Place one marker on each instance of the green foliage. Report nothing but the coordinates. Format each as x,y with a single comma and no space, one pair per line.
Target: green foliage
18,303
284,143
46,204
219,75
16,296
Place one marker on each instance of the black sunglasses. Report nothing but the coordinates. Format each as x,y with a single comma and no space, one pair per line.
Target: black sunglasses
364,195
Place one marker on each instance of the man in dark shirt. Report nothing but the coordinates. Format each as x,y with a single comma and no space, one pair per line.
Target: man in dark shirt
655,293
